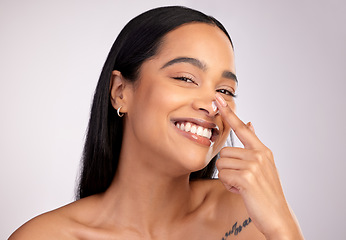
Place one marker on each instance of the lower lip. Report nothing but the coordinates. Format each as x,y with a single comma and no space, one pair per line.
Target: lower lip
194,137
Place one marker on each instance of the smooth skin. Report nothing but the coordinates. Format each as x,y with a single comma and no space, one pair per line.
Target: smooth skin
151,196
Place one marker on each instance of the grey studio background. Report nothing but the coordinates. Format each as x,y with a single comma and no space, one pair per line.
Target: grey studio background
290,60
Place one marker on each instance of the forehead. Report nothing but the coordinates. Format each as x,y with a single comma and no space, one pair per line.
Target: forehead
202,41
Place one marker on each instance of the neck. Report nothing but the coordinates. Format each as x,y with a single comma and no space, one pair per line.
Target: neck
146,197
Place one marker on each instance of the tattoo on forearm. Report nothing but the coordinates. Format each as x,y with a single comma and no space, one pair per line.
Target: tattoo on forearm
236,229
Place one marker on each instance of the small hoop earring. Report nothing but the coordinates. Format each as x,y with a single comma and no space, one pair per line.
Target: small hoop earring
119,113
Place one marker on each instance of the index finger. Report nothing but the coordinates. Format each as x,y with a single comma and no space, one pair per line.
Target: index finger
245,135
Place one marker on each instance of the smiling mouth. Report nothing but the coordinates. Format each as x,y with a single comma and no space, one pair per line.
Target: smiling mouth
197,131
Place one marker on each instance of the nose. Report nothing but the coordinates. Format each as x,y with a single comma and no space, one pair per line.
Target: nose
208,106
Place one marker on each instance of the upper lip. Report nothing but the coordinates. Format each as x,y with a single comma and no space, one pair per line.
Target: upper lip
198,121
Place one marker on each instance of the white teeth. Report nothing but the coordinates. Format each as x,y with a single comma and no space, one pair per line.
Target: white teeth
199,130
187,127
206,133
193,129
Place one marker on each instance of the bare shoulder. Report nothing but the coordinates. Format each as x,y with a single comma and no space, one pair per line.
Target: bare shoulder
44,226
61,223
227,209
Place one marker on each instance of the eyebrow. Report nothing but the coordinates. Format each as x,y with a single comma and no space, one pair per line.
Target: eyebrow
230,75
192,61
200,65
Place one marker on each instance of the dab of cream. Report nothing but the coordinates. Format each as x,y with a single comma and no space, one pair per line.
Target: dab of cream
213,105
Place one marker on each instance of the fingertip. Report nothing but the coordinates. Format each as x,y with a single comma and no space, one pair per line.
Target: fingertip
220,100
221,153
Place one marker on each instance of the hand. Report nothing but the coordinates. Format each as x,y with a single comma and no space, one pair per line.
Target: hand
251,172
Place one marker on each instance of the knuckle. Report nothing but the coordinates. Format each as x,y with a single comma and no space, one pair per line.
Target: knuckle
268,152
258,155
248,176
254,167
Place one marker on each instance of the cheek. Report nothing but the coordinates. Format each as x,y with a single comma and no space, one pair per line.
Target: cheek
154,100
149,110
232,105
162,99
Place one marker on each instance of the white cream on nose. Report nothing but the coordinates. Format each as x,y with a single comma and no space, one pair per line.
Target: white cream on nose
214,107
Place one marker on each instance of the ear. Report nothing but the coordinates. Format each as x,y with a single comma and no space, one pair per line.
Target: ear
120,91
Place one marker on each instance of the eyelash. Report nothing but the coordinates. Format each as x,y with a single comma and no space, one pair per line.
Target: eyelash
185,79
189,80
227,92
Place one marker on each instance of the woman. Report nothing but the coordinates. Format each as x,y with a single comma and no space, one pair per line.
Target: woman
162,111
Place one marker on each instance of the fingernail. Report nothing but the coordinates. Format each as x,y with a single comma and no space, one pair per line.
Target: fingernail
220,100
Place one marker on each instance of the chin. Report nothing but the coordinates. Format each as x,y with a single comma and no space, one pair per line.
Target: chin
195,161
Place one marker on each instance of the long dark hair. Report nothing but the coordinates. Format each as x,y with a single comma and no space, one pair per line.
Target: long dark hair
137,42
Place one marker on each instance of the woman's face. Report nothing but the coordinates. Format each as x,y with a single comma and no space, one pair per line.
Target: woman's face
177,87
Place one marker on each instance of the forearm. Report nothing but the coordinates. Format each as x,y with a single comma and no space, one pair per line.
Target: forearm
290,231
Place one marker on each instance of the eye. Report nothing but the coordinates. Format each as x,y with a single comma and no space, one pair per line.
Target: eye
227,92
185,79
